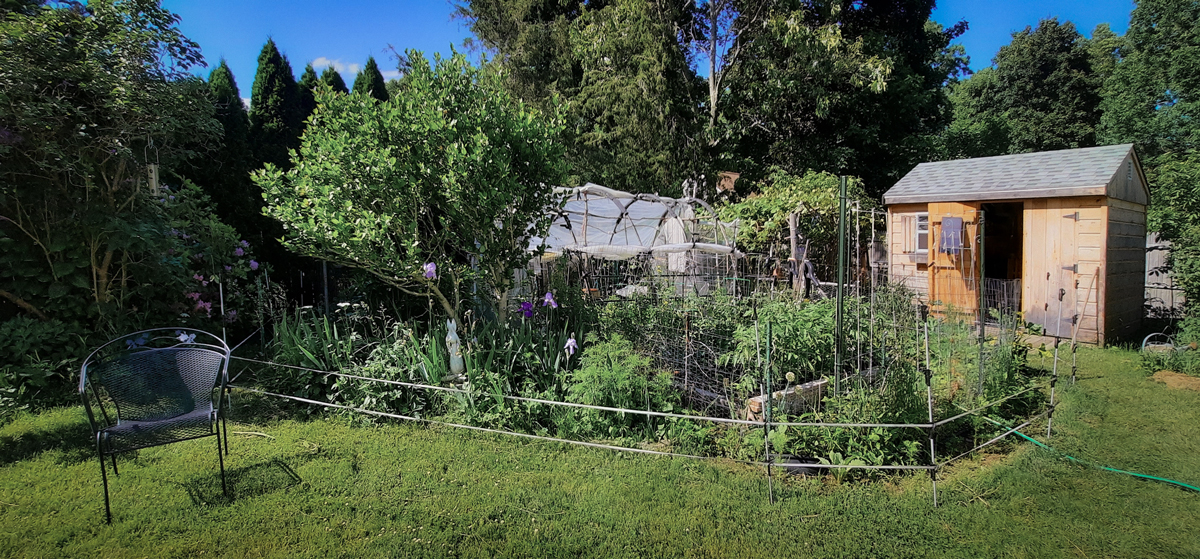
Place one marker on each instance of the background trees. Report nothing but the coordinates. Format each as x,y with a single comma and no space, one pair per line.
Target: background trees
370,81
1042,94
432,192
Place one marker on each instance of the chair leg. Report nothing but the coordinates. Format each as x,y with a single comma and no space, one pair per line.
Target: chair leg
221,458
225,430
114,461
104,478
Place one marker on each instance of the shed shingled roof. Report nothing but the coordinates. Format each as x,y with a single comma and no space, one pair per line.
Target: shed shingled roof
1045,174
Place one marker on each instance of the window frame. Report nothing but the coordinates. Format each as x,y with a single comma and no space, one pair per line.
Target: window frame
919,218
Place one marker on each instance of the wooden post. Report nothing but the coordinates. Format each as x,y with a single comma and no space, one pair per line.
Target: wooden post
794,237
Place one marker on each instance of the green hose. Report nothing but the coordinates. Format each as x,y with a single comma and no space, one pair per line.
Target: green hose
1086,463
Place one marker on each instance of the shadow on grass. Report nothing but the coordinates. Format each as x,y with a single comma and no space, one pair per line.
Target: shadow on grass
74,440
244,482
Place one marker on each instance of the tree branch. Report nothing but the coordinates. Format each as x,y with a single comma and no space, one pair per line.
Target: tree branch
23,304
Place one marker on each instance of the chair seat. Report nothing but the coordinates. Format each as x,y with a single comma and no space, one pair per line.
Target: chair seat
131,435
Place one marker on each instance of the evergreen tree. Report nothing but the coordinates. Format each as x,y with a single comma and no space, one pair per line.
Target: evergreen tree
226,176
334,80
274,108
370,81
308,102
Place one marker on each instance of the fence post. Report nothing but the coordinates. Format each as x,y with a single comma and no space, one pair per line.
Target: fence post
929,398
1053,381
982,285
839,346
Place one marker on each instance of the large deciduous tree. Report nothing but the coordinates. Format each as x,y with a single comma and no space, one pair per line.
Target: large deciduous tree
1043,93
89,97
437,189
622,74
1048,89
1152,99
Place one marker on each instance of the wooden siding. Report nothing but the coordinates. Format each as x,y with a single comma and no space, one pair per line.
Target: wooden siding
1129,184
1064,245
1125,276
904,265
954,278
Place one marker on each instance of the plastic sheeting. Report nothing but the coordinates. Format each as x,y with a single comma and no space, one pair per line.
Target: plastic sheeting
617,225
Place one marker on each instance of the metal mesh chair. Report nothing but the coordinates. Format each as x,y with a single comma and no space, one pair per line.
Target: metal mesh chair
152,388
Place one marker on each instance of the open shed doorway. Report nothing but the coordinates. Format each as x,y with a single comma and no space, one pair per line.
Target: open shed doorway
1002,254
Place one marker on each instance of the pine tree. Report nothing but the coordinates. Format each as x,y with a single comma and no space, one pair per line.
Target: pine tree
226,178
334,80
370,81
274,108
308,103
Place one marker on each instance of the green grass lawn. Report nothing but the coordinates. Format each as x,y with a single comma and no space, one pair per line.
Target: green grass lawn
330,488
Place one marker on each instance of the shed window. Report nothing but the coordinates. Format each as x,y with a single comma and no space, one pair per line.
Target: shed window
921,233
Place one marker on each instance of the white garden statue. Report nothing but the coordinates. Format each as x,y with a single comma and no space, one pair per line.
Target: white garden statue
454,348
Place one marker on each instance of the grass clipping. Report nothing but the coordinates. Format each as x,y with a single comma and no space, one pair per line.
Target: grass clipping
1177,380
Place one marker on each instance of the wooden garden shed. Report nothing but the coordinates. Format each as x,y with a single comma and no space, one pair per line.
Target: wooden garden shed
1063,237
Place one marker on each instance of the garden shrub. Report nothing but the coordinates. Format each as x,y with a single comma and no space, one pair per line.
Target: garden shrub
613,374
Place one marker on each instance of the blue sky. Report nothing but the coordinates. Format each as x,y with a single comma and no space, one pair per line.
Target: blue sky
343,34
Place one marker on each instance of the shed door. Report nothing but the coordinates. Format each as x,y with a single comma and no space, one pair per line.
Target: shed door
954,257
1053,254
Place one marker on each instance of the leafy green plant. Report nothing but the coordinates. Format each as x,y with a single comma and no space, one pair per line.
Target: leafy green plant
434,191
612,374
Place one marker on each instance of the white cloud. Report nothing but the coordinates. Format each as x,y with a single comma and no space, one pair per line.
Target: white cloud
246,102
338,65
391,74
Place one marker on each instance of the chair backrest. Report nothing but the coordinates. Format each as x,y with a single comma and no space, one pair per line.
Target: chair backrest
157,374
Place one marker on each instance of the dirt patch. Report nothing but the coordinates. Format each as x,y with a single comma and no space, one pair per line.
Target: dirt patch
1177,380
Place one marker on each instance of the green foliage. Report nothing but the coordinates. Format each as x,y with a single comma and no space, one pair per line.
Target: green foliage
1048,90
613,374
979,128
37,358
333,79
1153,96
764,216
802,340
275,112
305,87
370,81
1042,94
82,234
633,112
845,87
454,170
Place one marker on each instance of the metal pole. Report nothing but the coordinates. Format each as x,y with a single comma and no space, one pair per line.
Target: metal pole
929,398
981,284
325,284
767,421
221,291
841,275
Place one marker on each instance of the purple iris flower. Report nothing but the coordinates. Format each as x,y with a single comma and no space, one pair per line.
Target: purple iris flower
239,251
228,268
549,300
253,264
245,244
527,309
430,270
571,346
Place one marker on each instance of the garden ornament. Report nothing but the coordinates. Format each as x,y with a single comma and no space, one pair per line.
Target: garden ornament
453,347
